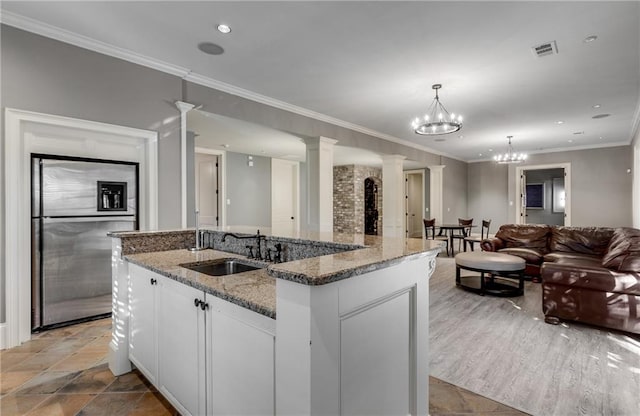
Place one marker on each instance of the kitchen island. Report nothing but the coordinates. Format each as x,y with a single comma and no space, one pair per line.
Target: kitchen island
339,327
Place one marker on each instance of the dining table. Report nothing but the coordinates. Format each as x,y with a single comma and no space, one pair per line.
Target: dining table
449,230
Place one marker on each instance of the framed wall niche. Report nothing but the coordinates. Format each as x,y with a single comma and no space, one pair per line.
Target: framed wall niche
535,196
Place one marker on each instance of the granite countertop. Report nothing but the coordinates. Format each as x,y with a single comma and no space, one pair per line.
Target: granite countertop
378,253
254,290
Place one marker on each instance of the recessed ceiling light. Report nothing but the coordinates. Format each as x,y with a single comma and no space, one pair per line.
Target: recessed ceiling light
225,145
210,48
600,137
491,150
479,154
559,122
460,137
224,29
596,106
601,116
570,141
590,38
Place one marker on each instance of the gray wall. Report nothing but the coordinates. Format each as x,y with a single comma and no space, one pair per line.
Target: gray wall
546,215
454,195
427,193
487,193
191,179
249,189
600,187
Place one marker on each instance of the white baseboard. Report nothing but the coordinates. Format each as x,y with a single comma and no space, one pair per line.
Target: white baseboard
3,336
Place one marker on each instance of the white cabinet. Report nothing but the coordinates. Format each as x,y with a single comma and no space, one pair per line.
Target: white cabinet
207,356
143,345
181,335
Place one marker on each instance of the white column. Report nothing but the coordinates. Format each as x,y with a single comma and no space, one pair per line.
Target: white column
435,192
393,212
320,183
184,109
119,345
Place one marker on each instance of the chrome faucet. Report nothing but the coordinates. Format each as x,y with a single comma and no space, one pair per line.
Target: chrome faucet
198,246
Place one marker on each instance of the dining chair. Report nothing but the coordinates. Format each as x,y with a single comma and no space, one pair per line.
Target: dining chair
461,234
430,232
475,238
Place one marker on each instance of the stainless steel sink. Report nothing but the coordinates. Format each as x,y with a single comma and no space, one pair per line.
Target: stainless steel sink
221,267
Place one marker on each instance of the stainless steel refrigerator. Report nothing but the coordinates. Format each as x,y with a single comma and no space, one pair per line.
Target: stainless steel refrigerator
74,204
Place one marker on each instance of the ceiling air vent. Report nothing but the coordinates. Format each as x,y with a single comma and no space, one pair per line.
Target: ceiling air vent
548,48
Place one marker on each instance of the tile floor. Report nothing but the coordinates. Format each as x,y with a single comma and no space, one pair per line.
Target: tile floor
64,372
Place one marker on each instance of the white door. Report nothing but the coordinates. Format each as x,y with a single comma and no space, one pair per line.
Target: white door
206,178
181,343
284,197
414,201
523,197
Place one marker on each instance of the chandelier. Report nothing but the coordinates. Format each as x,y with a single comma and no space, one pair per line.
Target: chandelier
510,156
437,120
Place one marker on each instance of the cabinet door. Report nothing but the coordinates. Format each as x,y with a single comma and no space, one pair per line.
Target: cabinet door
142,321
242,360
181,369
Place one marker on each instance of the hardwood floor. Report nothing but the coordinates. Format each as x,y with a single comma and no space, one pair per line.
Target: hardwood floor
64,372
502,349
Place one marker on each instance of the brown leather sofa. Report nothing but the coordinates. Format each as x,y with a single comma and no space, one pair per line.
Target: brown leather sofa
589,274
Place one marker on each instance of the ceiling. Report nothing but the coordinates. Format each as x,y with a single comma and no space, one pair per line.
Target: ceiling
370,65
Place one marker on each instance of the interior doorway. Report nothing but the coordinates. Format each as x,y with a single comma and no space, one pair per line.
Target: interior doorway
544,194
207,188
371,213
285,197
414,203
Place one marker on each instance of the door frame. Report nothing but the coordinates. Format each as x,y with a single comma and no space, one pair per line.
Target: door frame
104,141
296,198
567,189
222,178
406,199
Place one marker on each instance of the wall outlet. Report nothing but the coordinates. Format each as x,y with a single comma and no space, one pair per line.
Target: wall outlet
228,202
426,209
448,209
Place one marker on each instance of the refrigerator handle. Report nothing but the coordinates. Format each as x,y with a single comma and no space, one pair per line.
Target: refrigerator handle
127,218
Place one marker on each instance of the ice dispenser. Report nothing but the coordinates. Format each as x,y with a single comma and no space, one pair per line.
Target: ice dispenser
112,196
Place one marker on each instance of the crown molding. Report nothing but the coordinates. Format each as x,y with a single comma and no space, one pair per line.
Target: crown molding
53,32
561,149
272,102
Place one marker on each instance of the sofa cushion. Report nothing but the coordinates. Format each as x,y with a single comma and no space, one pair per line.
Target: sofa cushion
631,263
586,240
529,255
584,262
623,242
533,236
598,279
558,255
